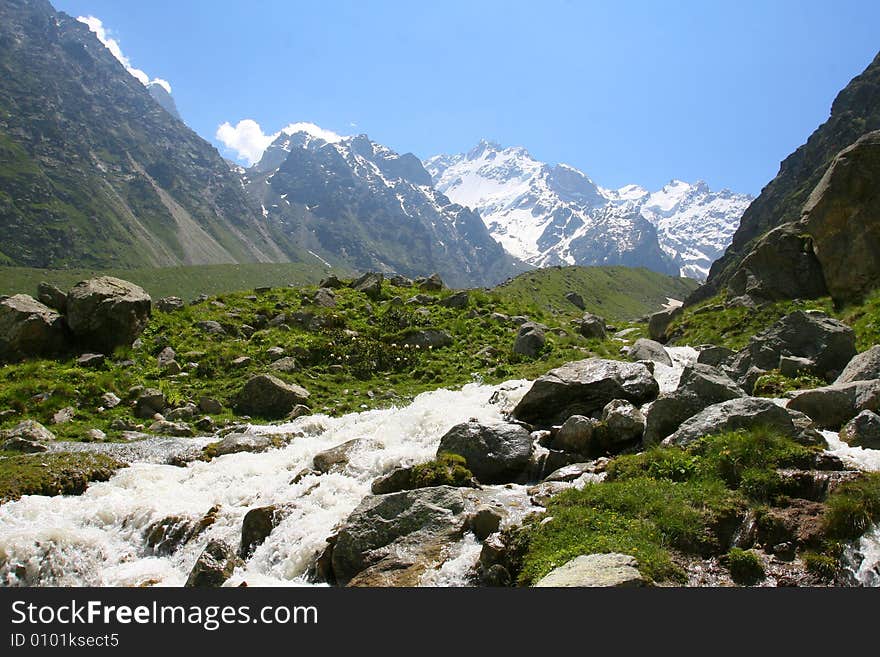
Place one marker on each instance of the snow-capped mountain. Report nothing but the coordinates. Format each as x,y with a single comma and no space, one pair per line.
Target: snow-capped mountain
353,201
549,215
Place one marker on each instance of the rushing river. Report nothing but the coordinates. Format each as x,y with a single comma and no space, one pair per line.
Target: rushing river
99,538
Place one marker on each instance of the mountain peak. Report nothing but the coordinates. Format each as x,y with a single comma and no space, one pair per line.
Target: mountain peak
312,130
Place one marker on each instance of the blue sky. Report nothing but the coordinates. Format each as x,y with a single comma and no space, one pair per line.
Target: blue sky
627,91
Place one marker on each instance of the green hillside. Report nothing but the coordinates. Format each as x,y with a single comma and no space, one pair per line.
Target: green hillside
618,293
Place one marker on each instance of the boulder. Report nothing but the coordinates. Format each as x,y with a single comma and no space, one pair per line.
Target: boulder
287,364
499,453
167,428
575,435
52,296
458,300
428,339
862,431
165,358
331,282
713,355
485,521
391,540
336,458
400,281
745,413
106,312
795,366
268,396
862,367
644,349
110,400
623,423
91,360
659,322
576,299
842,215
591,326
22,445
30,431
235,443
831,406
827,342
530,340
325,297
583,388
370,284
210,405
149,402
211,327
28,328
605,570
214,566
258,523
699,386
64,415
170,304
432,283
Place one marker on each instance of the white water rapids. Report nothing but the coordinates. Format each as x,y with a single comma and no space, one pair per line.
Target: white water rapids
98,538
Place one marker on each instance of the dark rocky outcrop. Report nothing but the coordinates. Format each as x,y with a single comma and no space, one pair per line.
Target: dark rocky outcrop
530,340
583,388
28,329
52,296
256,526
842,215
106,312
268,396
370,284
494,454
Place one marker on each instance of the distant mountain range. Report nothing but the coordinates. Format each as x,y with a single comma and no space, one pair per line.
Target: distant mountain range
549,215
97,170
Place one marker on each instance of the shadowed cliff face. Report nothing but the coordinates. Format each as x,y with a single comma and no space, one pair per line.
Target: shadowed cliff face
855,111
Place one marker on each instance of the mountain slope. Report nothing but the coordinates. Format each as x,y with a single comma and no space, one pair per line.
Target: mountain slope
855,111
550,215
351,199
94,173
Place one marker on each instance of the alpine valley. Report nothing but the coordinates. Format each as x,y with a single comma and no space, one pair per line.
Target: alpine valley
345,366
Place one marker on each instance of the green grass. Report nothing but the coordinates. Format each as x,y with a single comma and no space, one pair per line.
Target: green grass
664,500
774,384
356,360
51,474
615,293
445,470
853,507
185,282
745,566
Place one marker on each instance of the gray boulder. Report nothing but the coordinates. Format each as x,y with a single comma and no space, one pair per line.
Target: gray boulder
575,435
862,367
649,350
268,396
52,296
29,430
582,388
106,312
325,297
170,304
795,366
214,566
258,523
605,570
391,540
745,413
530,340
591,326
699,386
211,327
495,454
236,443
370,284
149,402
166,428
458,300
862,431
336,458
28,328
658,323
428,338
576,299
432,283
713,355
832,406
827,342
623,423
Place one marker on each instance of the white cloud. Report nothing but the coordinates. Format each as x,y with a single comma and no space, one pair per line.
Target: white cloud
248,141
246,138
96,25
